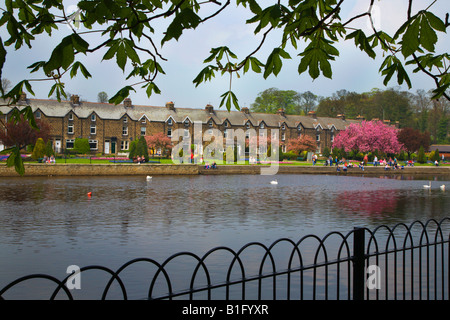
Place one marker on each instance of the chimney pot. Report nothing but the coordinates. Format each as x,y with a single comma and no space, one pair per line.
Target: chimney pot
245,110
170,105
209,108
281,112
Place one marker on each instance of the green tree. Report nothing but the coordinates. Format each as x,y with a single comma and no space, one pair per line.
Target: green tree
142,148
102,97
81,146
133,150
273,99
49,149
421,157
39,149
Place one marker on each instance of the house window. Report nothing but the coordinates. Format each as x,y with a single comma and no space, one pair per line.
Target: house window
169,122
93,144
70,116
143,120
143,130
124,130
125,119
225,124
332,137
169,132
70,129
261,125
225,133
283,127
70,143
248,125
93,129
38,114
318,137
124,145
93,117
186,123
283,136
186,132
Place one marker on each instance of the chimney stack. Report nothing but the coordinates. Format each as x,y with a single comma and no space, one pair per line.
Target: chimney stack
341,116
75,100
209,108
281,112
245,110
23,98
127,103
170,105
312,114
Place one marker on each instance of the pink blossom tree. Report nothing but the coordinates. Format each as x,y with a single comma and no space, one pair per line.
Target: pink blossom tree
368,136
159,141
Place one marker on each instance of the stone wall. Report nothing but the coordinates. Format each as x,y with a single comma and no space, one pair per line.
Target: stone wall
35,169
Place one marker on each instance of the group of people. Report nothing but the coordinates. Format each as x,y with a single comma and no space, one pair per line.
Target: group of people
212,166
50,159
139,159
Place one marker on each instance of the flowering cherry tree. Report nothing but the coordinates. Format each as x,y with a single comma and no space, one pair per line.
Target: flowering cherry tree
369,136
303,143
159,141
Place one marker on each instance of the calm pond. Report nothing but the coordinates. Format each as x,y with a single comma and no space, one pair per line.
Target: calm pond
48,224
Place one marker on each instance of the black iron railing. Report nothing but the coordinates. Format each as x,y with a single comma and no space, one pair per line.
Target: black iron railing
403,262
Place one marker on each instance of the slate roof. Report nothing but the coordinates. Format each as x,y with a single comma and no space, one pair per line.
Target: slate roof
53,108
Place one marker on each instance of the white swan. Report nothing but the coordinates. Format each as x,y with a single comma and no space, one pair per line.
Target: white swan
149,178
427,185
443,187
274,182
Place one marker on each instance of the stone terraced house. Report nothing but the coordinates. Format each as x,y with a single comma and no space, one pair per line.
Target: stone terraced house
110,128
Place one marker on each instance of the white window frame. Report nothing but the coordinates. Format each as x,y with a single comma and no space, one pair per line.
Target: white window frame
125,130
124,145
70,116
93,129
143,131
93,117
96,143
70,128
70,141
169,132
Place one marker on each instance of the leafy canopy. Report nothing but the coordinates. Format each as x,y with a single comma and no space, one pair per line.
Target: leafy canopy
127,34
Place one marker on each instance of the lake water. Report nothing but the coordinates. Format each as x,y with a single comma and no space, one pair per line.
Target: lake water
50,223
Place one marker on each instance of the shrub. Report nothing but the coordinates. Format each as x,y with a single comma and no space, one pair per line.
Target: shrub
421,158
39,149
81,146
49,149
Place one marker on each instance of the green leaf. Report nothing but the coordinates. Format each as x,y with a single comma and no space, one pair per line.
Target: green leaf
228,98
435,22
121,95
410,39
185,19
15,160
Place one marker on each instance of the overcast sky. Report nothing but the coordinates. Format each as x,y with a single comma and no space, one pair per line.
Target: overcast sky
352,70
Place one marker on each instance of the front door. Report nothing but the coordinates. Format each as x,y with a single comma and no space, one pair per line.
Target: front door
58,146
107,146
113,147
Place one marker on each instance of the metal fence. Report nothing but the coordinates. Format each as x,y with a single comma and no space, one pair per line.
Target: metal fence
408,262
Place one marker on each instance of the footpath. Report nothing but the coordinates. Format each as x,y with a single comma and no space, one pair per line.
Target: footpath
126,169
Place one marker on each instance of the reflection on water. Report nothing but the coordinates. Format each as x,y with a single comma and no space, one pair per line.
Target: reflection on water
50,223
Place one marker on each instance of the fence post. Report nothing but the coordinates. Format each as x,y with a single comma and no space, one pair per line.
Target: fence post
359,274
